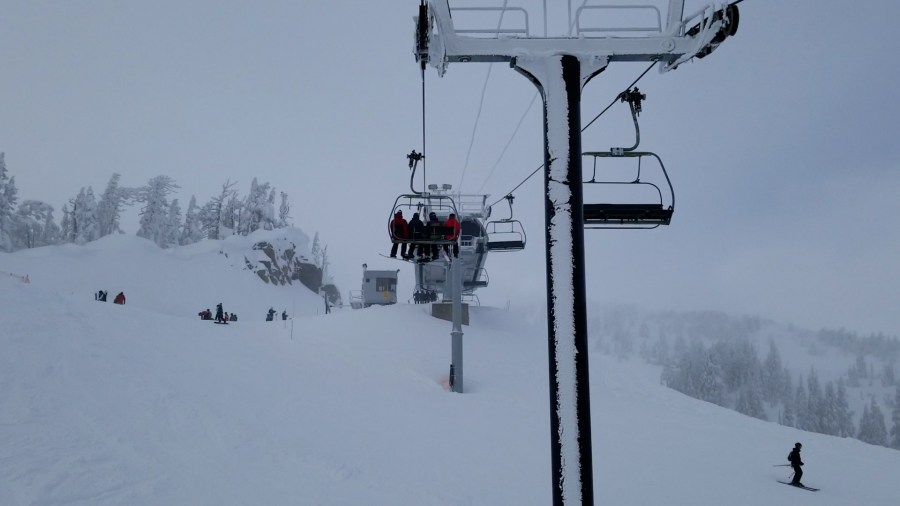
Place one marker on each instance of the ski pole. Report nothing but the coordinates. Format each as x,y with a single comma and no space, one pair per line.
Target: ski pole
782,465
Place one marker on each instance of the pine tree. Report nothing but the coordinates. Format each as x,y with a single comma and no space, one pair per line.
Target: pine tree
284,211
771,373
815,410
173,225
155,213
787,416
193,230
258,208
211,215
232,215
829,410
843,414
110,206
801,406
34,225
872,428
895,417
888,377
787,393
8,199
750,403
315,252
696,373
86,217
65,226
270,222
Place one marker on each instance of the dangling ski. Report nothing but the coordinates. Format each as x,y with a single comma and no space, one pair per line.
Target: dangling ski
424,260
804,487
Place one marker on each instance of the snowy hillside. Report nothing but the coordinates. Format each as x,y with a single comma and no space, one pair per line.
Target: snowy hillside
176,282
145,404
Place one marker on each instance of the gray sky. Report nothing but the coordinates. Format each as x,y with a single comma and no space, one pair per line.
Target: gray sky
780,144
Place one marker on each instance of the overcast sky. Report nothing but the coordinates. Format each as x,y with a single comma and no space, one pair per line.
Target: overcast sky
781,144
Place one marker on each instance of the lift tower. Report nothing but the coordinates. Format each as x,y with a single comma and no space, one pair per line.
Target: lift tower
560,67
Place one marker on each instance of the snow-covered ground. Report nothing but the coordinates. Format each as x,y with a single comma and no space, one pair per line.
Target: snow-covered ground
146,404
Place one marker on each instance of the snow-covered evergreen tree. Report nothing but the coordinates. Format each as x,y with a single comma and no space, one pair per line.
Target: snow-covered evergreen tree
284,211
872,428
815,404
325,263
749,402
155,213
66,226
8,199
830,410
192,231
843,415
695,373
895,417
34,225
211,214
173,225
787,416
270,222
231,216
85,216
110,206
773,376
787,394
315,251
800,406
888,377
258,209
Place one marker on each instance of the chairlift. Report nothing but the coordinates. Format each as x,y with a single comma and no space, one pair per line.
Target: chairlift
646,205
425,204
506,234
436,201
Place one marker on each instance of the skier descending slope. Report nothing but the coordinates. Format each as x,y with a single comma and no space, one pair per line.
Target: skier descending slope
796,463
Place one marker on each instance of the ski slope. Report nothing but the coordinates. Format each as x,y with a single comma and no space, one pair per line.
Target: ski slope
143,404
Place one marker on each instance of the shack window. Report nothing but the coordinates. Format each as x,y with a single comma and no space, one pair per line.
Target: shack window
385,284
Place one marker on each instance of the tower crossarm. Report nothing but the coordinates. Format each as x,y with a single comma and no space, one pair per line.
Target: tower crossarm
683,38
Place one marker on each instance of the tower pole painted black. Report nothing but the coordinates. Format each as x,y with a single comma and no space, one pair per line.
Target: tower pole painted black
566,312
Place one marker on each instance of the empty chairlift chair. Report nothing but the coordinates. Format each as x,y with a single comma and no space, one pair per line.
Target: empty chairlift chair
640,196
506,234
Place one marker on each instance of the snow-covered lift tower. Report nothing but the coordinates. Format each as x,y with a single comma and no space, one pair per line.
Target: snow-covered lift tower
560,67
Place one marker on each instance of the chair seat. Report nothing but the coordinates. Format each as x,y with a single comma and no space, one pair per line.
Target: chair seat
627,213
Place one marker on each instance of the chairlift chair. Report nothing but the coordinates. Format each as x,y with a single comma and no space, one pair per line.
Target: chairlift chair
506,234
424,204
654,206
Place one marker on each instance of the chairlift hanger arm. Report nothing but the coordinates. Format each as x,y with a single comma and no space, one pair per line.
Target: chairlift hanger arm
414,159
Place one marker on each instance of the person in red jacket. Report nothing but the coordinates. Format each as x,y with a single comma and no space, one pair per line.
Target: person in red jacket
399,230
120,298
452,226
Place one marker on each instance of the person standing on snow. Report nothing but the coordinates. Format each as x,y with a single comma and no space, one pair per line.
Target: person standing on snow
794,459
220,317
